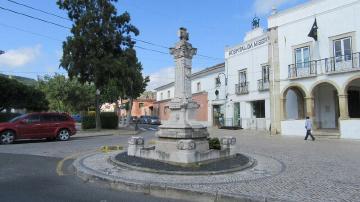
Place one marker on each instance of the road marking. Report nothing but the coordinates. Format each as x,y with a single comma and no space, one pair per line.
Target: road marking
153,129
143,129
60,164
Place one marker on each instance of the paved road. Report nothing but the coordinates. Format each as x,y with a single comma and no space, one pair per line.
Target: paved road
28,171
33,178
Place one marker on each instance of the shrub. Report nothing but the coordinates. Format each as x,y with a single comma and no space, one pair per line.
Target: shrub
109,120
88,121
4,117
214,143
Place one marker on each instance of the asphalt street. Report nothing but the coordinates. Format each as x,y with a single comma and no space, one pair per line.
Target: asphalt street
28,172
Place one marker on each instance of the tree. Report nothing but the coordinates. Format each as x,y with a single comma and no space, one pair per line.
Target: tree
99,39
20,96
65,95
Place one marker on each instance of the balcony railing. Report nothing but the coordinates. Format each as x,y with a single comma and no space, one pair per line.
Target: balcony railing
242,88
343,63
304,69
263,85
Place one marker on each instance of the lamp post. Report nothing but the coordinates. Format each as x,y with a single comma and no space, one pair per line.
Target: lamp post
98,121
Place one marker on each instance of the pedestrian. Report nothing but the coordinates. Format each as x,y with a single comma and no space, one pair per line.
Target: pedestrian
308,127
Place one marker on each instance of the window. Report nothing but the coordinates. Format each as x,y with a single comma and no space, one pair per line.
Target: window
265,73
342,49
141,105
242,77
302,57
161,96
198,87
33,118
168,94
258,108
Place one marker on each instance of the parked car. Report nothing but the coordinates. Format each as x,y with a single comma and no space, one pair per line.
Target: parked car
37,126
144,119
154,120
76,117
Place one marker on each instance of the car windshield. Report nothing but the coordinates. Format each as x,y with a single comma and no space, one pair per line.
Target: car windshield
154,117
17,118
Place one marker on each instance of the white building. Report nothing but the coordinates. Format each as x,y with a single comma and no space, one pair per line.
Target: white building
316,78
246,66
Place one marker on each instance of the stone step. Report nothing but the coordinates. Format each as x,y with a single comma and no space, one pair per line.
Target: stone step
326,134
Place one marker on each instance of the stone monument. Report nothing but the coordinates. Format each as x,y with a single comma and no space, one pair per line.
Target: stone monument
181,139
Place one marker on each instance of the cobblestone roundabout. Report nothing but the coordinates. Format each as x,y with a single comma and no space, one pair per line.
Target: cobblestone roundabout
287,169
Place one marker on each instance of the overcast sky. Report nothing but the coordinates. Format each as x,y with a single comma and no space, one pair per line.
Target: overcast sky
34,48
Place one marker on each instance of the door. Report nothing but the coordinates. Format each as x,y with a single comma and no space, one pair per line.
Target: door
49,124
342,54
30,127
302,61
237,120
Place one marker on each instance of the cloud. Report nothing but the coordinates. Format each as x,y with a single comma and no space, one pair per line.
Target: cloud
20,57
263,7
163,76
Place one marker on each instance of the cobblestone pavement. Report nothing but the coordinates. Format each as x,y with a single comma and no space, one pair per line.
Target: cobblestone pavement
288,168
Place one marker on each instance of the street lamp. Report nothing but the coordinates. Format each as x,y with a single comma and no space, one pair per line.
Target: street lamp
226,79
98,121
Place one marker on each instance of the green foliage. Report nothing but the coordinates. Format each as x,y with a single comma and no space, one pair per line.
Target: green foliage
4,117
99,41
88,121
214,143
24,80
66,95
109,120
20,96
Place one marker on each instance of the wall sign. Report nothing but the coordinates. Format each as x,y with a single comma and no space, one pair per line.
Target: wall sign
248,46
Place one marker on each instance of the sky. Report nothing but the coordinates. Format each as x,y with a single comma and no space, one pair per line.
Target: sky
34,48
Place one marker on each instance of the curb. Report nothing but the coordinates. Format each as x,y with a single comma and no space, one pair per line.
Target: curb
250,164
157,190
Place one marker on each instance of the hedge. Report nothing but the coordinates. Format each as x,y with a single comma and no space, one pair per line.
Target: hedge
109,120
88,121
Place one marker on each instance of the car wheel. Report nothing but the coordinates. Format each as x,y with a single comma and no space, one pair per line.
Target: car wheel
7,137
63,135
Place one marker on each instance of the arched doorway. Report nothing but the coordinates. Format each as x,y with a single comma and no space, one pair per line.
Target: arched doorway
326,106
353,92
294,103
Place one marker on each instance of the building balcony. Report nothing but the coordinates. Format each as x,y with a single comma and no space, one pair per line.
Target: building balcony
343,63
242,88
263,85
332,65
304,69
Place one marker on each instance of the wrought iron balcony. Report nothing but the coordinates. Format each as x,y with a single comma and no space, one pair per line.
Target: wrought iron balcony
304,69
343,63
263,85
242,88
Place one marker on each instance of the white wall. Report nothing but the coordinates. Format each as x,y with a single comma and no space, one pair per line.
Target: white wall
293,127
334,18
251,57
349,129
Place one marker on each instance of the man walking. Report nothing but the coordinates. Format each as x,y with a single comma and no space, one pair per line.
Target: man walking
308,127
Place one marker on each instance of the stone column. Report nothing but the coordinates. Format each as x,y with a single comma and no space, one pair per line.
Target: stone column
310,106
343,106
283,109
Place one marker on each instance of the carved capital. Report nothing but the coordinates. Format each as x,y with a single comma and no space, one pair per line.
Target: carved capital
186,145
136,141
183,49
